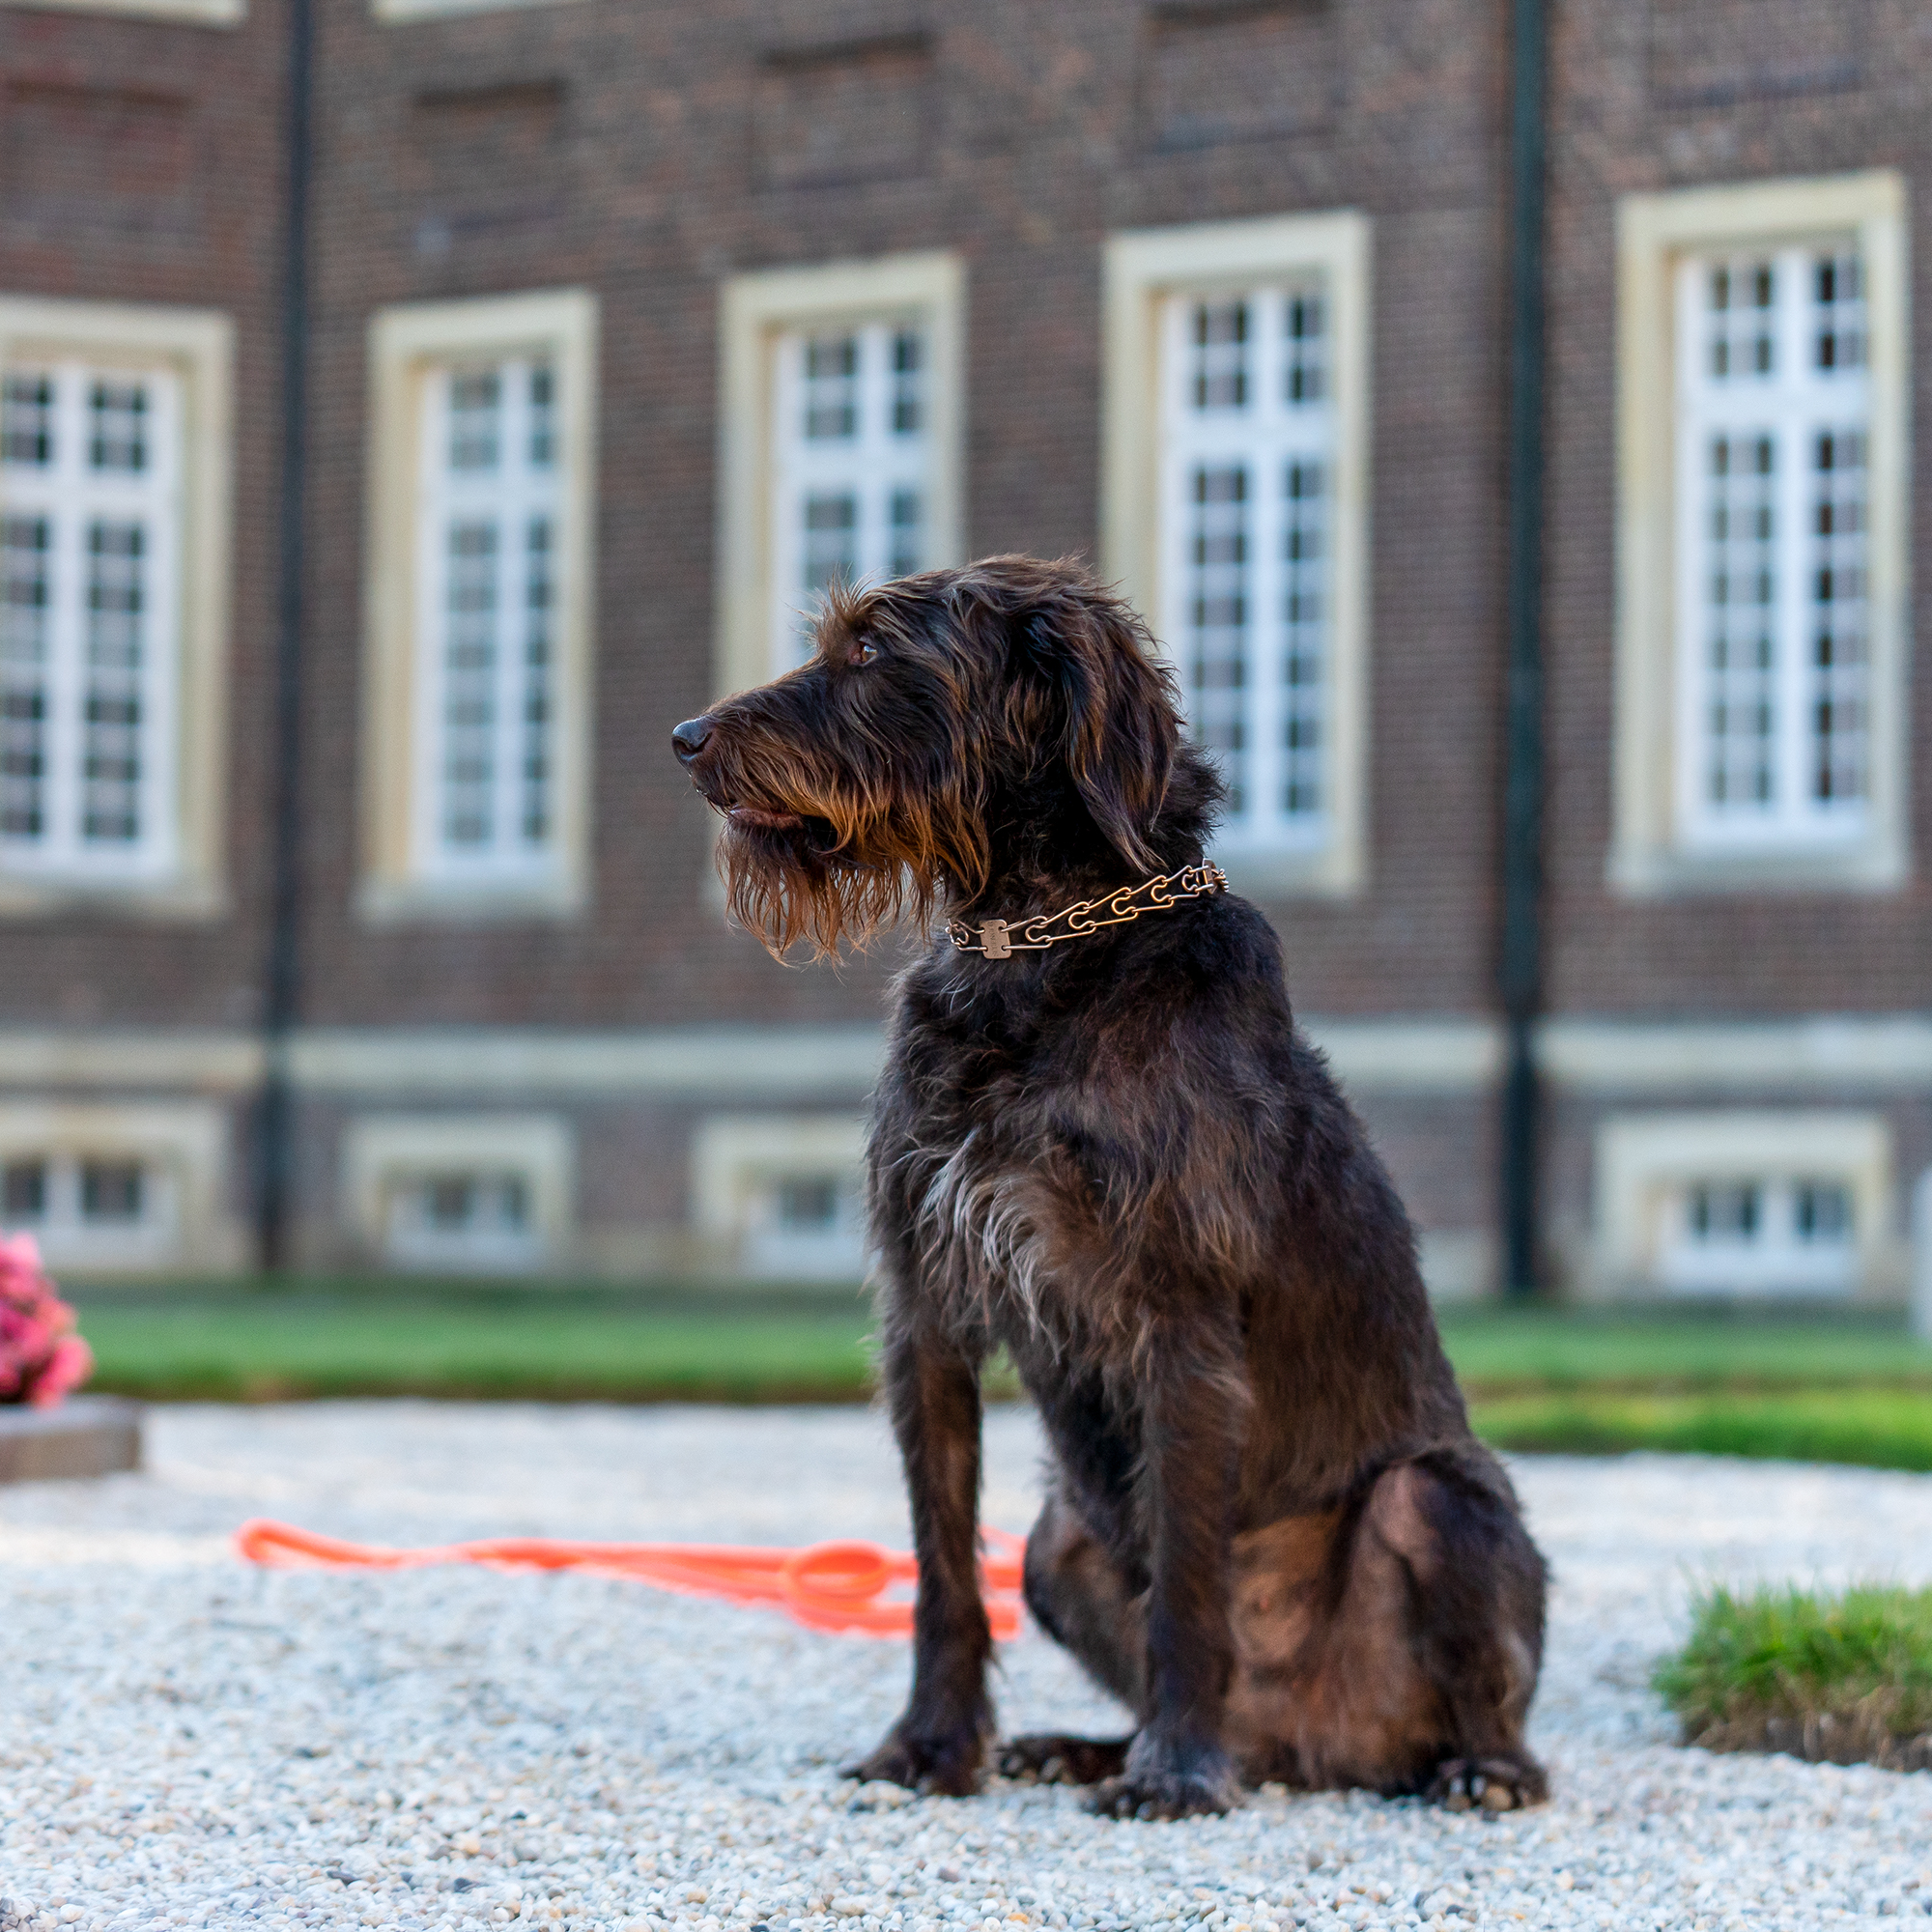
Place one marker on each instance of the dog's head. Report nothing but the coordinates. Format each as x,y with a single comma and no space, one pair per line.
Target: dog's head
943,721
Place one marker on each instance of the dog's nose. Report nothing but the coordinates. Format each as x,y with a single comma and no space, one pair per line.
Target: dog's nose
690,738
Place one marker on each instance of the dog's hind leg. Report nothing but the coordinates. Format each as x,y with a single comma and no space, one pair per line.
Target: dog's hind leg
1079,1598
1412,1666
1480,1608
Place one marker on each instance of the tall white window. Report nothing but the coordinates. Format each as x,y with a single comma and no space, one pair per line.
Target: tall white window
1774,519
489,562
1233,513
841,411
851,479
1248,493
89,599
482,477
1764,510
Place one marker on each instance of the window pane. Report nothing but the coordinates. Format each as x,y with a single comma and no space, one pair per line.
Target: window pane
475,420
470,676
1217,632
907,516
1740,323
112,715
1740,619
831,388
111,1191
26,595
908,382
1822,1213
1303,621
543,418
116,426
1219,336
27,421
23,1192
539,590
1838,712
1838,328
1306,375
807,1204
830,542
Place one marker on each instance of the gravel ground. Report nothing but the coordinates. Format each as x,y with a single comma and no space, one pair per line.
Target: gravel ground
189,1742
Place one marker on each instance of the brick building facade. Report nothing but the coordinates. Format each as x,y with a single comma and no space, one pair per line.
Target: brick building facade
627,324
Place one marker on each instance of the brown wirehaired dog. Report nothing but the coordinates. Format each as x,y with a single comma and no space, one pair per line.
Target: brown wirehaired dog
1269,1531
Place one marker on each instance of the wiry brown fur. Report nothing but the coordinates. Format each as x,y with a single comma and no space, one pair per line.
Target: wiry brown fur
1271,1532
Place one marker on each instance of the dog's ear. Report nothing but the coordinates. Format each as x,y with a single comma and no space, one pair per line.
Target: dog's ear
1120,731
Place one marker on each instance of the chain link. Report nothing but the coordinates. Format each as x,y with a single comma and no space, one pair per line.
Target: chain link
999,939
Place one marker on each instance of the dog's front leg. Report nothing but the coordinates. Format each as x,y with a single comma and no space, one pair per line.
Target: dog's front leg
1192,1407
940,1744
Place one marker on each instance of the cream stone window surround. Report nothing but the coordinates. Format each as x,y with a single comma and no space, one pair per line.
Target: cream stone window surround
384,1152
196,349
189,13
181,1146
738,1163
756,310
1655,233
410,344
1645,1161
1143,269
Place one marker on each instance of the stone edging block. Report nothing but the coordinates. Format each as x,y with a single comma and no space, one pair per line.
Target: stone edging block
84,1435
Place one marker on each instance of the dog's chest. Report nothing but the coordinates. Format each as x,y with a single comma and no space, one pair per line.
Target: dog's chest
993,1201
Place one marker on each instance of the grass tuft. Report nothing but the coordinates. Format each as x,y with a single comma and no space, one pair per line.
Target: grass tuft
1840,1679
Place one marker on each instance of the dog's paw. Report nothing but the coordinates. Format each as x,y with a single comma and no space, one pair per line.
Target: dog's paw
1493,1784
1164,1782
943,1765
1049,1759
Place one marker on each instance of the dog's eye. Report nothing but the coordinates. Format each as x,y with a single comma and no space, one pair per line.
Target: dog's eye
864,654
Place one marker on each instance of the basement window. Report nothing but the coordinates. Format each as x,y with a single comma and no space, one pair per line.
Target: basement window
1762,1233
109,1210
462,1219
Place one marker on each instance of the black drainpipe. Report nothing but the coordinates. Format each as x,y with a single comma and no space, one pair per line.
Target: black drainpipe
1519,974
276,1194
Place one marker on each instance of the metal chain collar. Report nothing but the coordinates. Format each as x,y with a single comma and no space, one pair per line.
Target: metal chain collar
1000,940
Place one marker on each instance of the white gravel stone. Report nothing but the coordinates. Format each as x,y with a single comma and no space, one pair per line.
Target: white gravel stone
187,1742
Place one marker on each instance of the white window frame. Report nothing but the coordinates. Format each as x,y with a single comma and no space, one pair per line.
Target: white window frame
184,1146
758,314
737,1162
177,870
407,873
382,1153
1147,273
1661,841
1646,1163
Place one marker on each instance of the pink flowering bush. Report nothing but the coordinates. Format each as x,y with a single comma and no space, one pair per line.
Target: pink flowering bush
41,1356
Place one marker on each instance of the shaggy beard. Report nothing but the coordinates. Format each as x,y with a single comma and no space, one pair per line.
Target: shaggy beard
784,888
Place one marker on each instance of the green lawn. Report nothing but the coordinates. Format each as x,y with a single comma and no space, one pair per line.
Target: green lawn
560,1345
1847,1390
1508,1352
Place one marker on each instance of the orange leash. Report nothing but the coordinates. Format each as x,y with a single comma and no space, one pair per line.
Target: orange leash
826,1586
